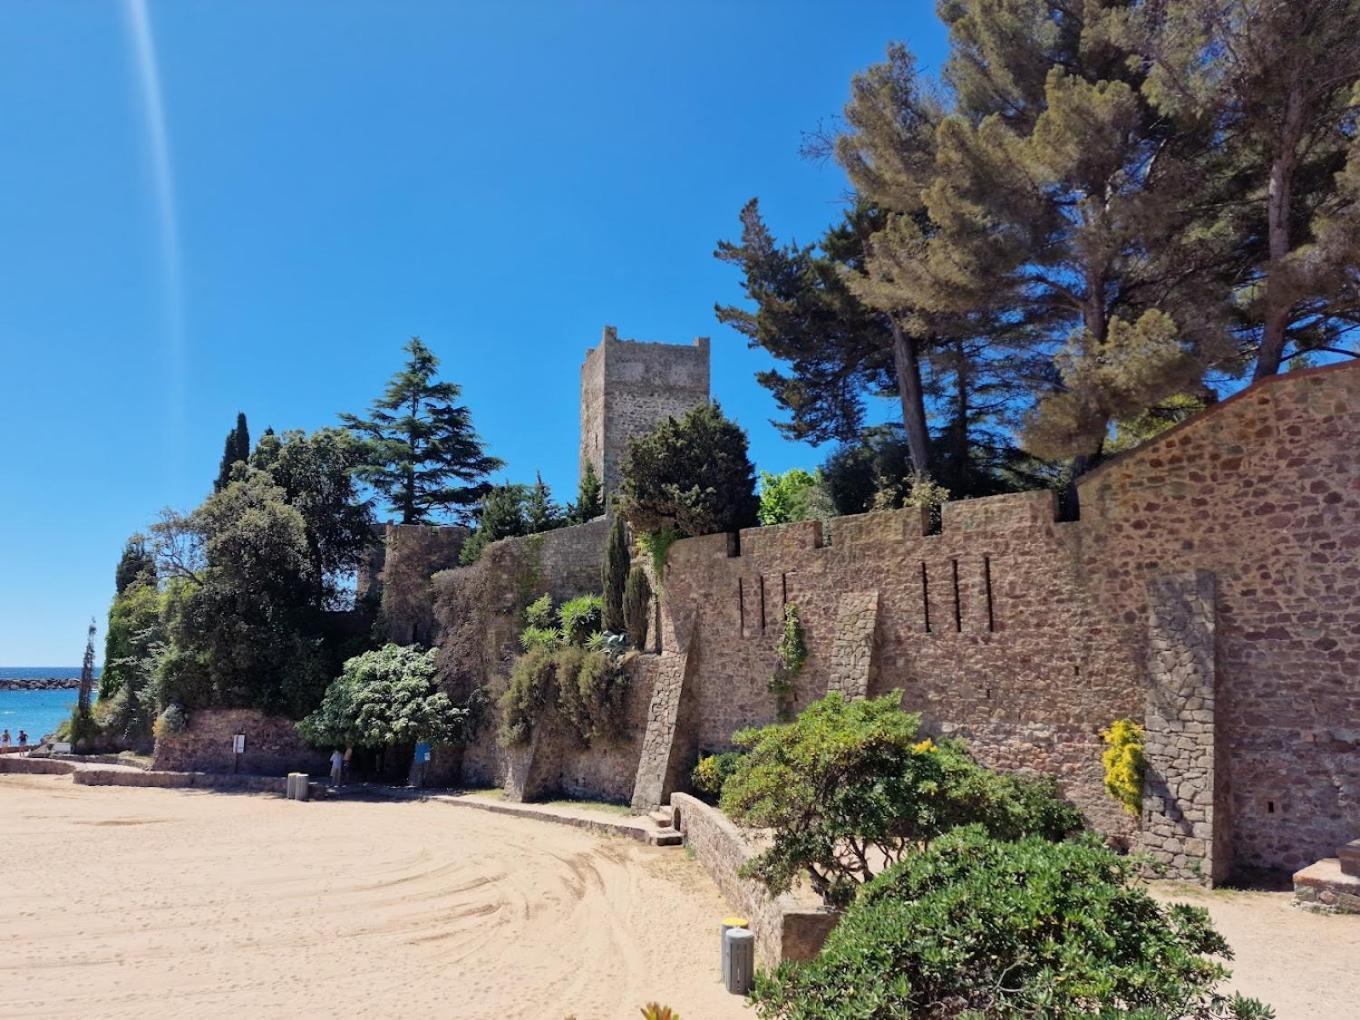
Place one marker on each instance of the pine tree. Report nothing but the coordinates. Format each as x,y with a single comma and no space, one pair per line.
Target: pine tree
540,512
502,516
423,454
1278,84
1065,201
614,574
589,497
236,450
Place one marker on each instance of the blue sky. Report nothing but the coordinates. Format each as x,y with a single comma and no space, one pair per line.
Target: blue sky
500,178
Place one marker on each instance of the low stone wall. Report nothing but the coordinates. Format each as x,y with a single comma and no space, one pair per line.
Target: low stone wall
180,780
785,929
273,747
36,766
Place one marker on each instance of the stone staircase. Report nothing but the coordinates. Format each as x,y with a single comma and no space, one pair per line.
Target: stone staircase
666,832
1333,883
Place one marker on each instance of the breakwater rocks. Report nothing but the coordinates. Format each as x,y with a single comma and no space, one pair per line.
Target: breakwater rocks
39,683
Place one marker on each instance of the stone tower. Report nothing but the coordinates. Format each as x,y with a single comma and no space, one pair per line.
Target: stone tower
627,387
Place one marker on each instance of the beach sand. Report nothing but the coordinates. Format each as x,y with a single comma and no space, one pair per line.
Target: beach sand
140,902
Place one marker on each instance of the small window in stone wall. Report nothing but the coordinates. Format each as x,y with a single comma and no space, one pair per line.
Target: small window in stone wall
741,606
761,581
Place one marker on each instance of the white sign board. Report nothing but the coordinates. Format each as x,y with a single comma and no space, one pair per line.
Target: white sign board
238,743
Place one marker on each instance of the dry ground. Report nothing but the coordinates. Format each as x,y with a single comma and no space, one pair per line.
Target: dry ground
141,902
1307,966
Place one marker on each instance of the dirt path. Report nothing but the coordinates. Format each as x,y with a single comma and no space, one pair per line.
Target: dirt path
141,902
1307,966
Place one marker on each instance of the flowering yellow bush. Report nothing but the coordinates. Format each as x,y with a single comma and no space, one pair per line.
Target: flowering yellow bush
1124,763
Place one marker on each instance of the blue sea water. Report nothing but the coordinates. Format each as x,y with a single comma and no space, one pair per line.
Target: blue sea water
37,712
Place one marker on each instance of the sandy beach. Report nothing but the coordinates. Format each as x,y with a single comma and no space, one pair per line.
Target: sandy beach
127,902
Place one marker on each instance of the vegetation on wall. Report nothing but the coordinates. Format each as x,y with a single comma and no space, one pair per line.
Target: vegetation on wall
711,773
850,784
972,927
796,495
1124,763
791,654
564,671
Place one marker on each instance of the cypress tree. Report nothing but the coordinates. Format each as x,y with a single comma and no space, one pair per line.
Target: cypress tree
637,598
236,449
540,512
614,571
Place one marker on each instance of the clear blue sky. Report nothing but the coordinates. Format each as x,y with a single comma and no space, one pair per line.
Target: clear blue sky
500,178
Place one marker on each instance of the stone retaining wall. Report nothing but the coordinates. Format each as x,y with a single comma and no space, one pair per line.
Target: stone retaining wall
784,927
273,747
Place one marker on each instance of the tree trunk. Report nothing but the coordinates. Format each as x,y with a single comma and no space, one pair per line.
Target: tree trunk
907,362
1276,315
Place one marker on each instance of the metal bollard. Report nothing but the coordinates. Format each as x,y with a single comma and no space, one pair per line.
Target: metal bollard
739,961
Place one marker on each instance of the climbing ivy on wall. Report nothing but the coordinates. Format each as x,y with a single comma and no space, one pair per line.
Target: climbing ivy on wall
792,654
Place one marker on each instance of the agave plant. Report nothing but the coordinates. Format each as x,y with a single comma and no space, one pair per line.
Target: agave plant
656,1011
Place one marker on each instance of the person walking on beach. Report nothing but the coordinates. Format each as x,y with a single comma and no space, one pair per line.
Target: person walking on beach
337,766
4,738
23,739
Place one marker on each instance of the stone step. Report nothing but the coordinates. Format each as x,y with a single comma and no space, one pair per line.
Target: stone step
662,816
667,837
1349,855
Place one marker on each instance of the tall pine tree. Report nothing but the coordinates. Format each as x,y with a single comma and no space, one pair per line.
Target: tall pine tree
1278,84
422,453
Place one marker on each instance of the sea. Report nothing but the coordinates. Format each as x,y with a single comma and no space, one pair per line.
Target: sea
36,712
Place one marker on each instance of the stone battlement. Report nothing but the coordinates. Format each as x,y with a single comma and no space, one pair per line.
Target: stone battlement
1208,591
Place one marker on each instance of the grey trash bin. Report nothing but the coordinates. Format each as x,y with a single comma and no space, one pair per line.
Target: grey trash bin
739,961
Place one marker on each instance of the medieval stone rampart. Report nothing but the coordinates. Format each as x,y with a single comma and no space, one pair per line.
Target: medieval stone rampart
1210,589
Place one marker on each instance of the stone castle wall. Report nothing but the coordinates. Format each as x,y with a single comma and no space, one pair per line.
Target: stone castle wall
1210,589
627,386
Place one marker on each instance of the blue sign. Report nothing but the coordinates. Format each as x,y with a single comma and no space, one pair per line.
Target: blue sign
422,753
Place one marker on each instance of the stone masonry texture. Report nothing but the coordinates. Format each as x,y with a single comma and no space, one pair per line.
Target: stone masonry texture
1210,589
627,388
1180,828
273,747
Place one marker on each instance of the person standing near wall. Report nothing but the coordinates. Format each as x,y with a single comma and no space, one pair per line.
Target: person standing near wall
337,766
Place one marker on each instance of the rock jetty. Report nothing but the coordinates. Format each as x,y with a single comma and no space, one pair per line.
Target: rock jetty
39,683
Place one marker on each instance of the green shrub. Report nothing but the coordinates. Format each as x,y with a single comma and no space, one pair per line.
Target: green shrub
385,698
712,772
540,613
691,473
531,689
173,720
986,930
850,783
657,544
637,605
600,693
792,654
1124,763
581,617
539,637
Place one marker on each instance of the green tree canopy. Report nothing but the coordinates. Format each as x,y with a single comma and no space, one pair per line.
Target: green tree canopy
792,496
385,698
692,473
850,784
423,455
135,566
